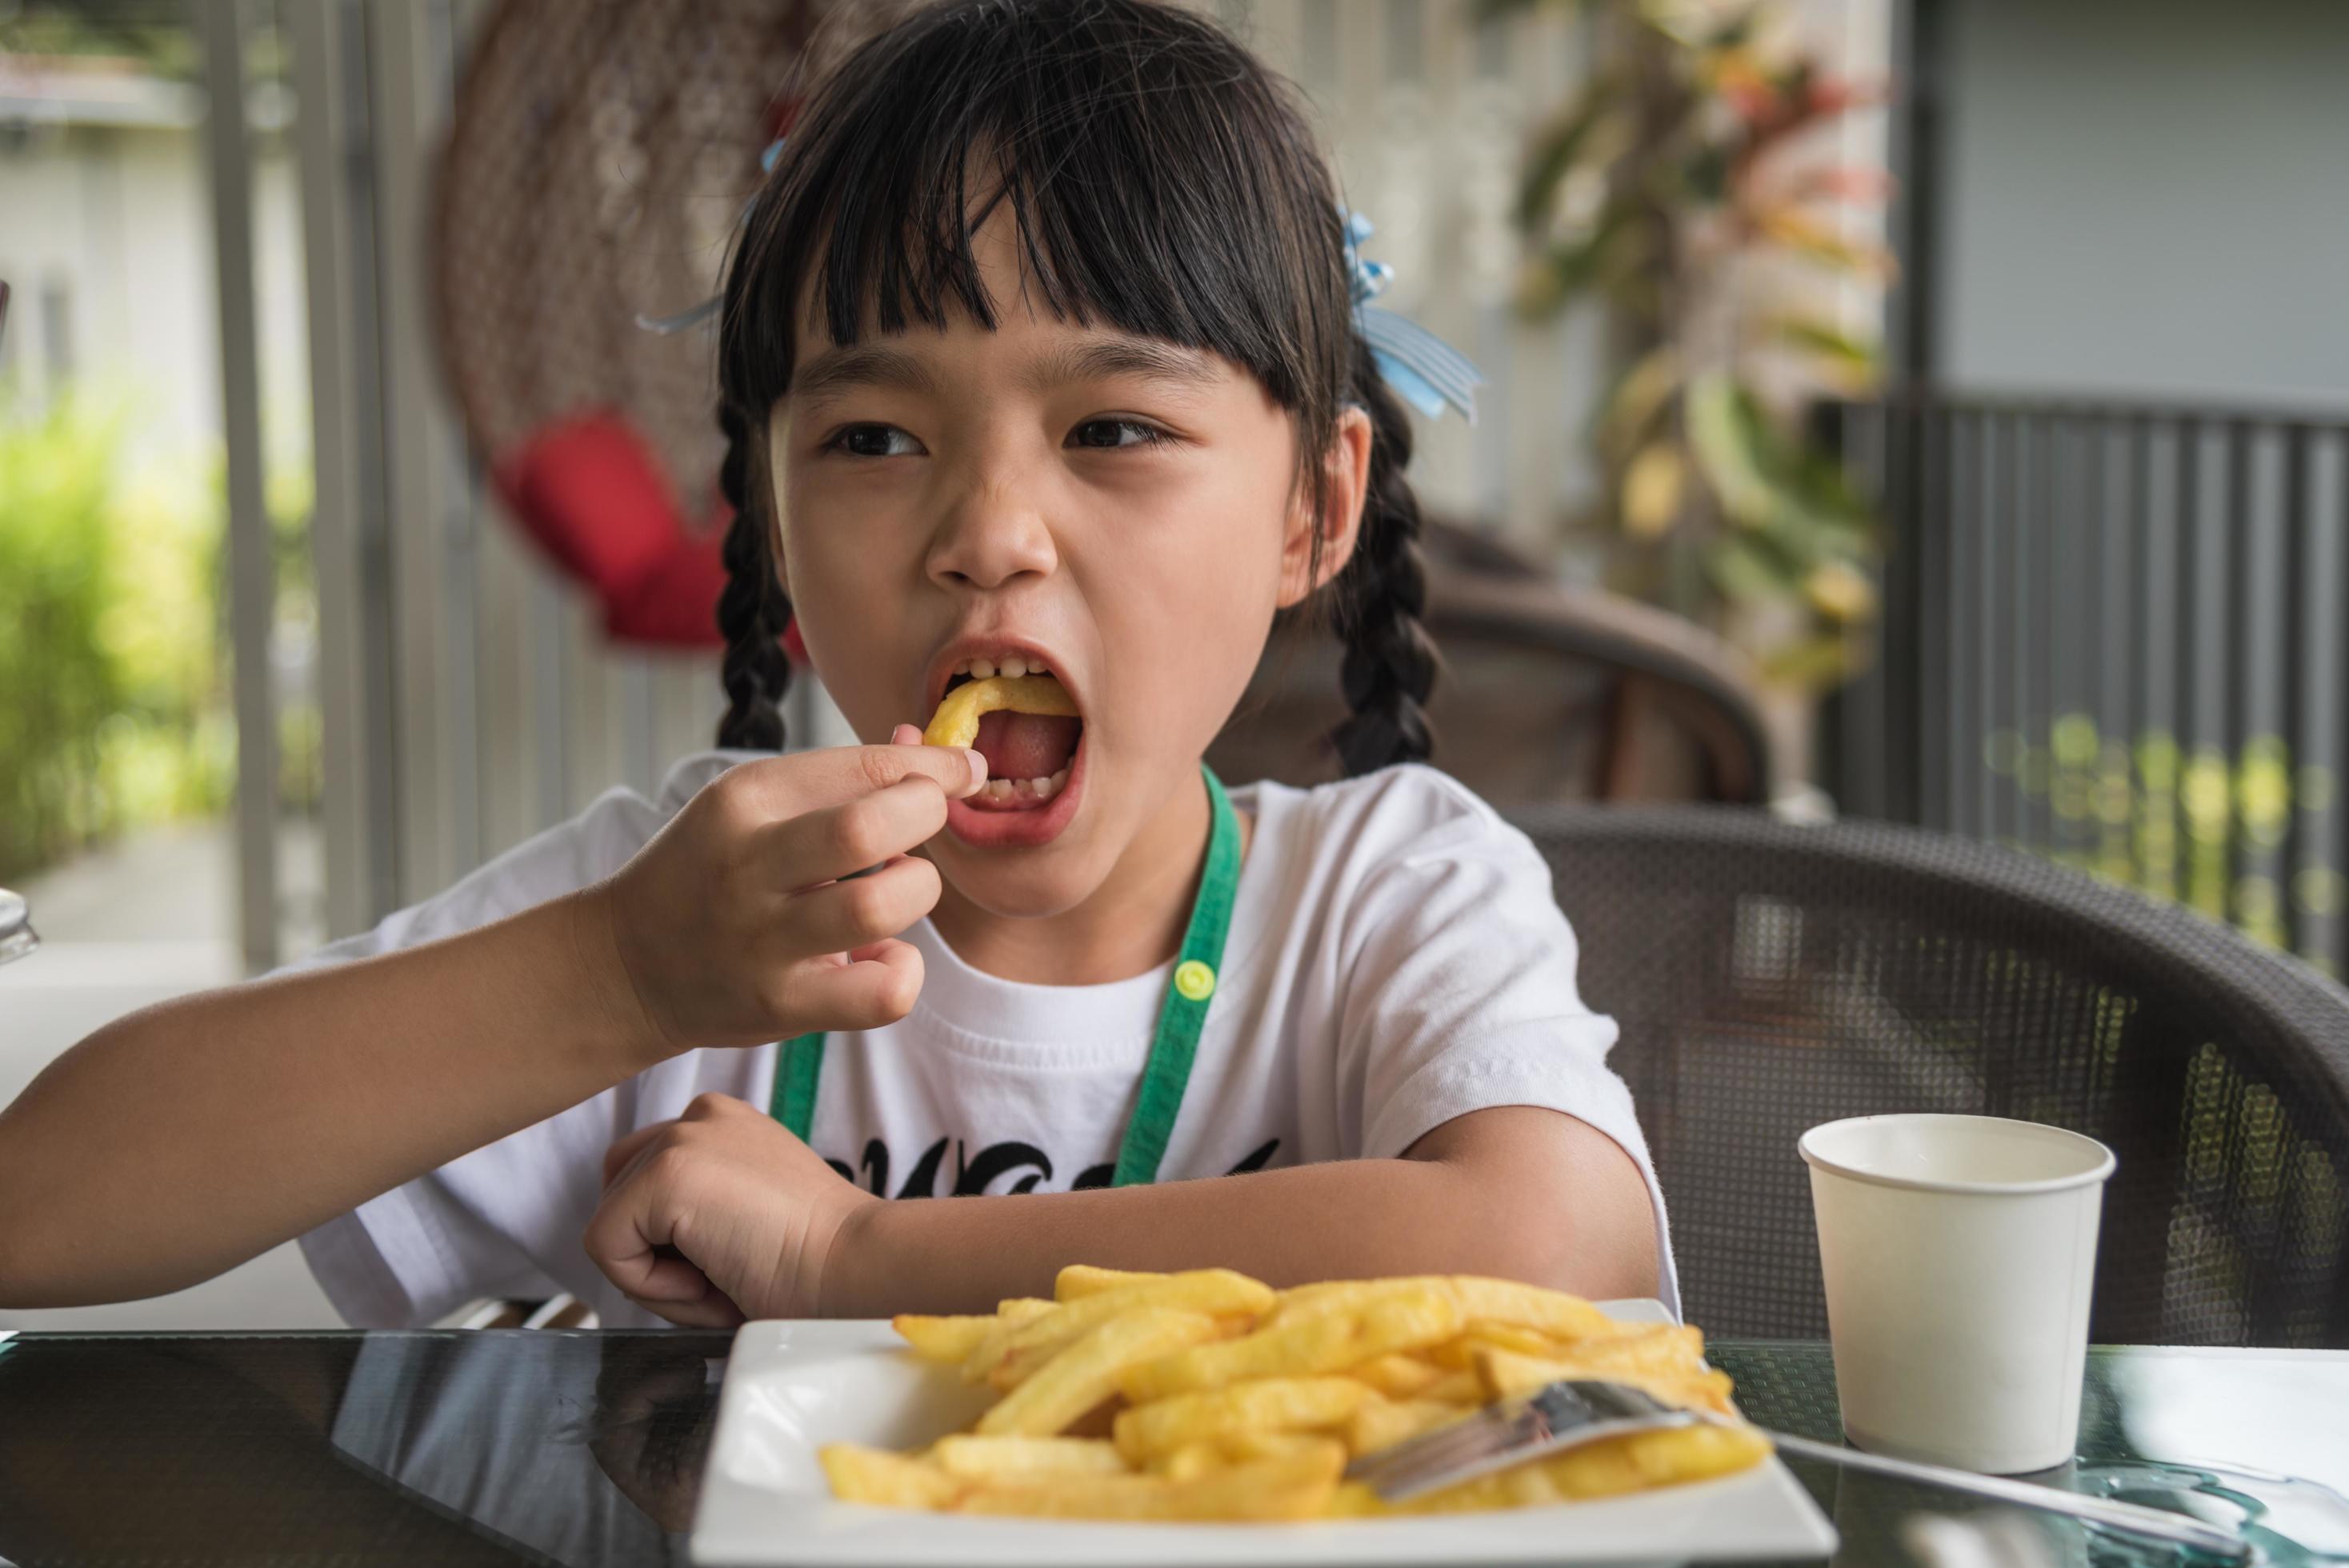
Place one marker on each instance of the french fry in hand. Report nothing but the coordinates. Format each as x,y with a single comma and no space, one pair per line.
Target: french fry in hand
955,722
1204,1395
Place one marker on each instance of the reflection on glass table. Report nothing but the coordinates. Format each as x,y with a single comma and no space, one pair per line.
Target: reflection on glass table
587,1449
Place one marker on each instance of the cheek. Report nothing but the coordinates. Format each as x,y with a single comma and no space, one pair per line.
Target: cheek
846,587
1185,601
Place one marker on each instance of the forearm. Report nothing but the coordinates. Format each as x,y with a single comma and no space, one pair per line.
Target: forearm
1348,1219
186,1138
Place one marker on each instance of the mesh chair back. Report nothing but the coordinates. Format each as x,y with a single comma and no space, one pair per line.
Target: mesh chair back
1547,694
1768,977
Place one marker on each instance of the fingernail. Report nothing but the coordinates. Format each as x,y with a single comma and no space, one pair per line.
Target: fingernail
978,766
905,735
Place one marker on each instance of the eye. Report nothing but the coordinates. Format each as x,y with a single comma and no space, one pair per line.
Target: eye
1111,433
873,441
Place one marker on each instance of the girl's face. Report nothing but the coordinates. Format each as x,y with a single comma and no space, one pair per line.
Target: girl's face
1118,510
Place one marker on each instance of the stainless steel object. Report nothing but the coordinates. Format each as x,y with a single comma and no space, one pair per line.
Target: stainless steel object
1571,1413
17,938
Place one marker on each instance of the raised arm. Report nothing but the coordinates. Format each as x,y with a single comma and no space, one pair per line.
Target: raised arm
184,1138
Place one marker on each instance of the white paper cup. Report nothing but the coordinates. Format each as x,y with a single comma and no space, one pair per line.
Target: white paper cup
1959,1253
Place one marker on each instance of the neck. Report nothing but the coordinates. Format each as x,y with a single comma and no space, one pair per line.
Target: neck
1132,924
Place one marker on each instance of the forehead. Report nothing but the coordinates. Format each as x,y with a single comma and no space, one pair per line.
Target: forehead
1030,346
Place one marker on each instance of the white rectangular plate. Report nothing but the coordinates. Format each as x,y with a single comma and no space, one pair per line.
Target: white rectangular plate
791,1388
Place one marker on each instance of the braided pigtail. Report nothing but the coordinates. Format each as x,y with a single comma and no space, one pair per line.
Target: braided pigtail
1390,664
752,612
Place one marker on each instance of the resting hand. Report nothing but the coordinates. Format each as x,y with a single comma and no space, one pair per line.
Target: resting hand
731,928
719,1216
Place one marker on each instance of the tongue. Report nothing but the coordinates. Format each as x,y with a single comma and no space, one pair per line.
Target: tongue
1026,744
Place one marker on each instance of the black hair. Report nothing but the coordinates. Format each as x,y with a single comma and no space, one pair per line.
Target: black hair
1162,180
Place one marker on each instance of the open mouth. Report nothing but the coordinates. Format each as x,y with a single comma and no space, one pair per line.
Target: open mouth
1023,721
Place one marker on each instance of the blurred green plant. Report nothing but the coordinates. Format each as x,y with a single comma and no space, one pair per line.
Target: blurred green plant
1667,188
112,703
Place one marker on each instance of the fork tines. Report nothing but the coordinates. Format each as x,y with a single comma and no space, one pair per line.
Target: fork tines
1558,1415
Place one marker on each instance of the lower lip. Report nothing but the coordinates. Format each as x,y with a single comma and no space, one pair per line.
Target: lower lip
995,828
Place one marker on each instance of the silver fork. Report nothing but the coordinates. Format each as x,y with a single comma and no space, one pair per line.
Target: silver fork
1578,1411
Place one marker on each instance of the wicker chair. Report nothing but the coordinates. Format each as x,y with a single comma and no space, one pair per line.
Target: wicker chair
1549,693
1768,977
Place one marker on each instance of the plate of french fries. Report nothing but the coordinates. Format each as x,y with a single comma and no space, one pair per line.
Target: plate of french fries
1204,1417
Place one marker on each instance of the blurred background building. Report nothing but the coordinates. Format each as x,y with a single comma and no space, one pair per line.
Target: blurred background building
1965,376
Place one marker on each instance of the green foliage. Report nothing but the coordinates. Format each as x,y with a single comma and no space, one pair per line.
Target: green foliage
111,701
1665,190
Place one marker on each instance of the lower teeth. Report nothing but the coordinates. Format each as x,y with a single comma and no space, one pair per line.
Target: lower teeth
1005,791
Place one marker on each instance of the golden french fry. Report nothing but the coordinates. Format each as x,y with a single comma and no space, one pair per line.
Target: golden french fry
1461,1388
1188,1463
1634,1463
1481,1300
975,1458
1297,1486
1019,1347
1398,1377
1258,1405
956,723
1242,1403
1382,1423
1089,1371
859,1474
1549,1312
1247,1448
1078,1280
1454,1354
1682,1379
1328,1342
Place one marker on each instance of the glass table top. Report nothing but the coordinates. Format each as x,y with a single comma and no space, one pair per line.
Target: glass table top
587,1449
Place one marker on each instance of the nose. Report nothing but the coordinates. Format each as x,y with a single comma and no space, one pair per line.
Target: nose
992,534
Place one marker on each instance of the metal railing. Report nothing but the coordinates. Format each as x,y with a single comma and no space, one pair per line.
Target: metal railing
2112,633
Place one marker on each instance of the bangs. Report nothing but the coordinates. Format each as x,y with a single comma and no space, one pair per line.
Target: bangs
1160,181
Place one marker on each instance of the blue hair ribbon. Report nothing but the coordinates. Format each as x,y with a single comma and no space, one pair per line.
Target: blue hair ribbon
1425,371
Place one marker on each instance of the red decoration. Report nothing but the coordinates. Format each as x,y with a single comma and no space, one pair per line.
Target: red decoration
592,494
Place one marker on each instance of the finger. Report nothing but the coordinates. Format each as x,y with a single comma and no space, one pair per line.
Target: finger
848,915
879,986
625,1149
809,781
905,735
835,841
629,1238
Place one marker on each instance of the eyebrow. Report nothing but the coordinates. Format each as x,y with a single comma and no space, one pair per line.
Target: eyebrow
1105,357
865,364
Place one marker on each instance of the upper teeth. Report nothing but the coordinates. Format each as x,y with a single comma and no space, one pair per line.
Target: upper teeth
1011,664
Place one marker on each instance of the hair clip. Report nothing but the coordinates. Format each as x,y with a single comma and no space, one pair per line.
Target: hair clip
1425,371
707,309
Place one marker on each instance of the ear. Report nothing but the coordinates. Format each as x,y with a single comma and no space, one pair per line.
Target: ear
1347,465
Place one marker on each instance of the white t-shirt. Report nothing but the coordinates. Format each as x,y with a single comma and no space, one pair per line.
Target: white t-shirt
1395,960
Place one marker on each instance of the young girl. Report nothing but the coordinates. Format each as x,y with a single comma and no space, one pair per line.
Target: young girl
1040,373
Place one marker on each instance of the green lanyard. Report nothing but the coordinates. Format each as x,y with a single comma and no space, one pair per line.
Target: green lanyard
800,1063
